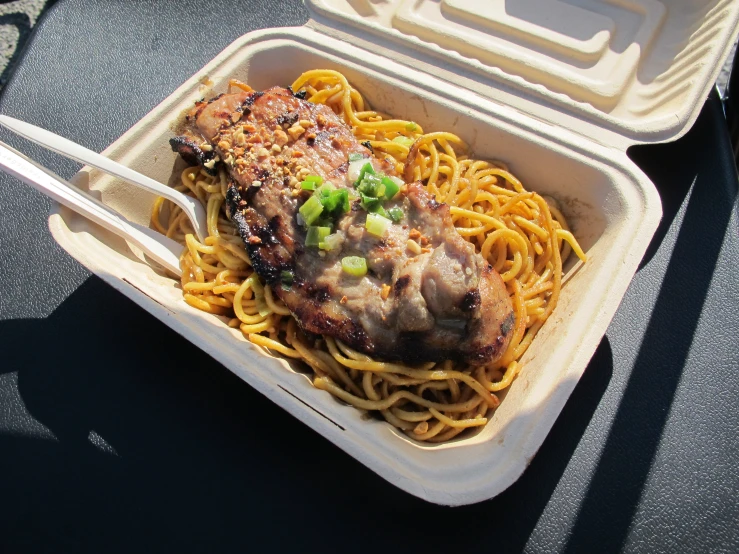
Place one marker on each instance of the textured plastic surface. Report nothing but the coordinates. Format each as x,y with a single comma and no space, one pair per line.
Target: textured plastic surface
612,207
639,67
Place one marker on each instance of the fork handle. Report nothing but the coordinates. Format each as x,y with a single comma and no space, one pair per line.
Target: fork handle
71,149
162,249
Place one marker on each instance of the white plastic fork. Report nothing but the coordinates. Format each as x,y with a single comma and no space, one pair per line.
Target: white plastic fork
161,249
194,209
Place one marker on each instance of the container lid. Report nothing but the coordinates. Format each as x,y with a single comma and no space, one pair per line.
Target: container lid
639,68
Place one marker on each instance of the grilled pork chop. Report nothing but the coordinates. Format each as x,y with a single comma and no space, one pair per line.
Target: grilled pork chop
430,299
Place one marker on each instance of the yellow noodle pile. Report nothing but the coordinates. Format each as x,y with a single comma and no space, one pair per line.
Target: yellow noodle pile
523,236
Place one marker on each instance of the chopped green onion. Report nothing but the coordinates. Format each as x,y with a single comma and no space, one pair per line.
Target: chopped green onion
369,185
356,156
377,224
331,242
366,168
354,265
411,127
311,210
379,210
317,179
330,201
316,235
308,185
391,187
324,221
336,200
396,214
287,278
326,188
369,203
352,172
343,196
405,141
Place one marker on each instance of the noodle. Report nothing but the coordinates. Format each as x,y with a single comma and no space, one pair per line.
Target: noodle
521,234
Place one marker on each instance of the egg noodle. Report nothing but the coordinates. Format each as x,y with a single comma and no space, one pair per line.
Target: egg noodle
524,236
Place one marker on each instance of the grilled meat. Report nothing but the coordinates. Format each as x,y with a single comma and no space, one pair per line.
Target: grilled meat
427,296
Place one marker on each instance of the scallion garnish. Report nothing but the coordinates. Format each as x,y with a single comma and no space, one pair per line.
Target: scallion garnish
354,265
326,188
369,185
331,242
396,214
379,209
336,200
391,187
366,168
308,185
311,210
352,172
287,278
376,224
316,235
369,203
317,179
355,156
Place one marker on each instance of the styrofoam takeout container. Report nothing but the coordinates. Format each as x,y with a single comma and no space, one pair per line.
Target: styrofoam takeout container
556,89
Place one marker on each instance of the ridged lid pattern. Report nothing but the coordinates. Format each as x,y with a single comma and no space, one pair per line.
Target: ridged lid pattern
641,67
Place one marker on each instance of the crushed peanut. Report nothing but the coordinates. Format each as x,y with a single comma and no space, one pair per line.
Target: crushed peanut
321,120
276,148
235,116
421,428
413,246
280,137
205,147
304,123
262,153
310,136
424,240
239,137
255,240
425,250
224,145
295,131
385,292
343,300
414,234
